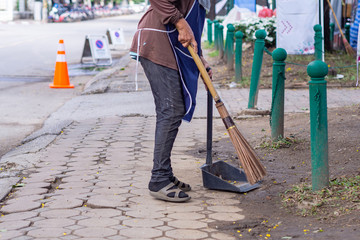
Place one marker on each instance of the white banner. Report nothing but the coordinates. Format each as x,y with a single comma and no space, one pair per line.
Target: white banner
357,59
295,23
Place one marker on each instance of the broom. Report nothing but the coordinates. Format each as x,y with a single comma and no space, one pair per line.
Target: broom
249,160
348,48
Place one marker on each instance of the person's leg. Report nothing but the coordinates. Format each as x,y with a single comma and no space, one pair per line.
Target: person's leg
167,90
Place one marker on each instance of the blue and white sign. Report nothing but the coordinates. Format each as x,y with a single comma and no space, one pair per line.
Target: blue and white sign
116,37
97,47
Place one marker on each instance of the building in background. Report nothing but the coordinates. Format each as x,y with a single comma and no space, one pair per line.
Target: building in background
7,10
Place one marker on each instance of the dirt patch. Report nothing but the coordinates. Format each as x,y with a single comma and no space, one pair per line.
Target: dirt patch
269,213
289,164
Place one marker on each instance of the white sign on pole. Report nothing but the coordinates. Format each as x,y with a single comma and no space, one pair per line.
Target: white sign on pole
295,23
97,47
116,37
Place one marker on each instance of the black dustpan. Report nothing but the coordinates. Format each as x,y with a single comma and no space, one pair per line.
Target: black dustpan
221,175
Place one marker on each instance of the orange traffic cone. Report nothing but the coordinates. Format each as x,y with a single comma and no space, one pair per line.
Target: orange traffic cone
61,76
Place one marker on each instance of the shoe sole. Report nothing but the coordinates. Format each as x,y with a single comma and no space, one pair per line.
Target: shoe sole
161,196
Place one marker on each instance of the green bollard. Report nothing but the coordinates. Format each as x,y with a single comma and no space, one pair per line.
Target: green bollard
221,41
217,36
238,56
318,42
209,31
256,67
226,43
332,30
278,93
317,70
230,47
347,31
273,4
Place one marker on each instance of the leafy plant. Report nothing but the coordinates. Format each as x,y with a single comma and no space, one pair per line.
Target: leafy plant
249,26
279,143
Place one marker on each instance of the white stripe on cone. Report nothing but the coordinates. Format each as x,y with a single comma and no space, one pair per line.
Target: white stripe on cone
61,47
60,58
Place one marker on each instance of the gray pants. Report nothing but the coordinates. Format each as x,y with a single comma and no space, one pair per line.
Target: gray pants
166,87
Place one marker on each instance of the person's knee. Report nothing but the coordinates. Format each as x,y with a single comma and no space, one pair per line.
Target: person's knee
172,112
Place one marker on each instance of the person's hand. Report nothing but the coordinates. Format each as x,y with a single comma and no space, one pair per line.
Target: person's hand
207,67
186,35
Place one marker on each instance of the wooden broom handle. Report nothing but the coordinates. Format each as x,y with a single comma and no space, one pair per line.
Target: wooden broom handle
337,22
204,73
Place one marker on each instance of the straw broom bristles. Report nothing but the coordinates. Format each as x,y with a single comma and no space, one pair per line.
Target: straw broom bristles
249,160
347,45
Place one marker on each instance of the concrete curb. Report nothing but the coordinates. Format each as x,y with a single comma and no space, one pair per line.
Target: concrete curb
100,83
6,184
48,129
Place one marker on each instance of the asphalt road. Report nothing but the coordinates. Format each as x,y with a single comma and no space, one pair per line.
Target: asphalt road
30,48
28,54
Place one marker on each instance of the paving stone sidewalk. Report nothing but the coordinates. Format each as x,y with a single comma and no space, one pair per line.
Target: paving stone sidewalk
91,183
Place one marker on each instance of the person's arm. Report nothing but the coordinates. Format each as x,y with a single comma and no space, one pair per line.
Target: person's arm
207,67
168,13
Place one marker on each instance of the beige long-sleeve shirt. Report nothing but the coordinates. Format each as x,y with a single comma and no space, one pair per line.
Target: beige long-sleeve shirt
155,45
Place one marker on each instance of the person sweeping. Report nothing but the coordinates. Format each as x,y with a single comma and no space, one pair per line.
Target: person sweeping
160,44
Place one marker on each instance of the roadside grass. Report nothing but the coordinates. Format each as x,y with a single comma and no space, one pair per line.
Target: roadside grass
207,45
214,53
342,68
341,197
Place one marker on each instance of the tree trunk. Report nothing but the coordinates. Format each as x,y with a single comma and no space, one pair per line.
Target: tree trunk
327,44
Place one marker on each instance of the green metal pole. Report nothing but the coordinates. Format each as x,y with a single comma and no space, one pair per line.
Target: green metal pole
273,4
230,47
317,70
318,42
278,94
209,31
221,41
238,56
347,31
256,67
230,5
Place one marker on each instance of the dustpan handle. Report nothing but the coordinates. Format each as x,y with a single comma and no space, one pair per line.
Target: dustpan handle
209,129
